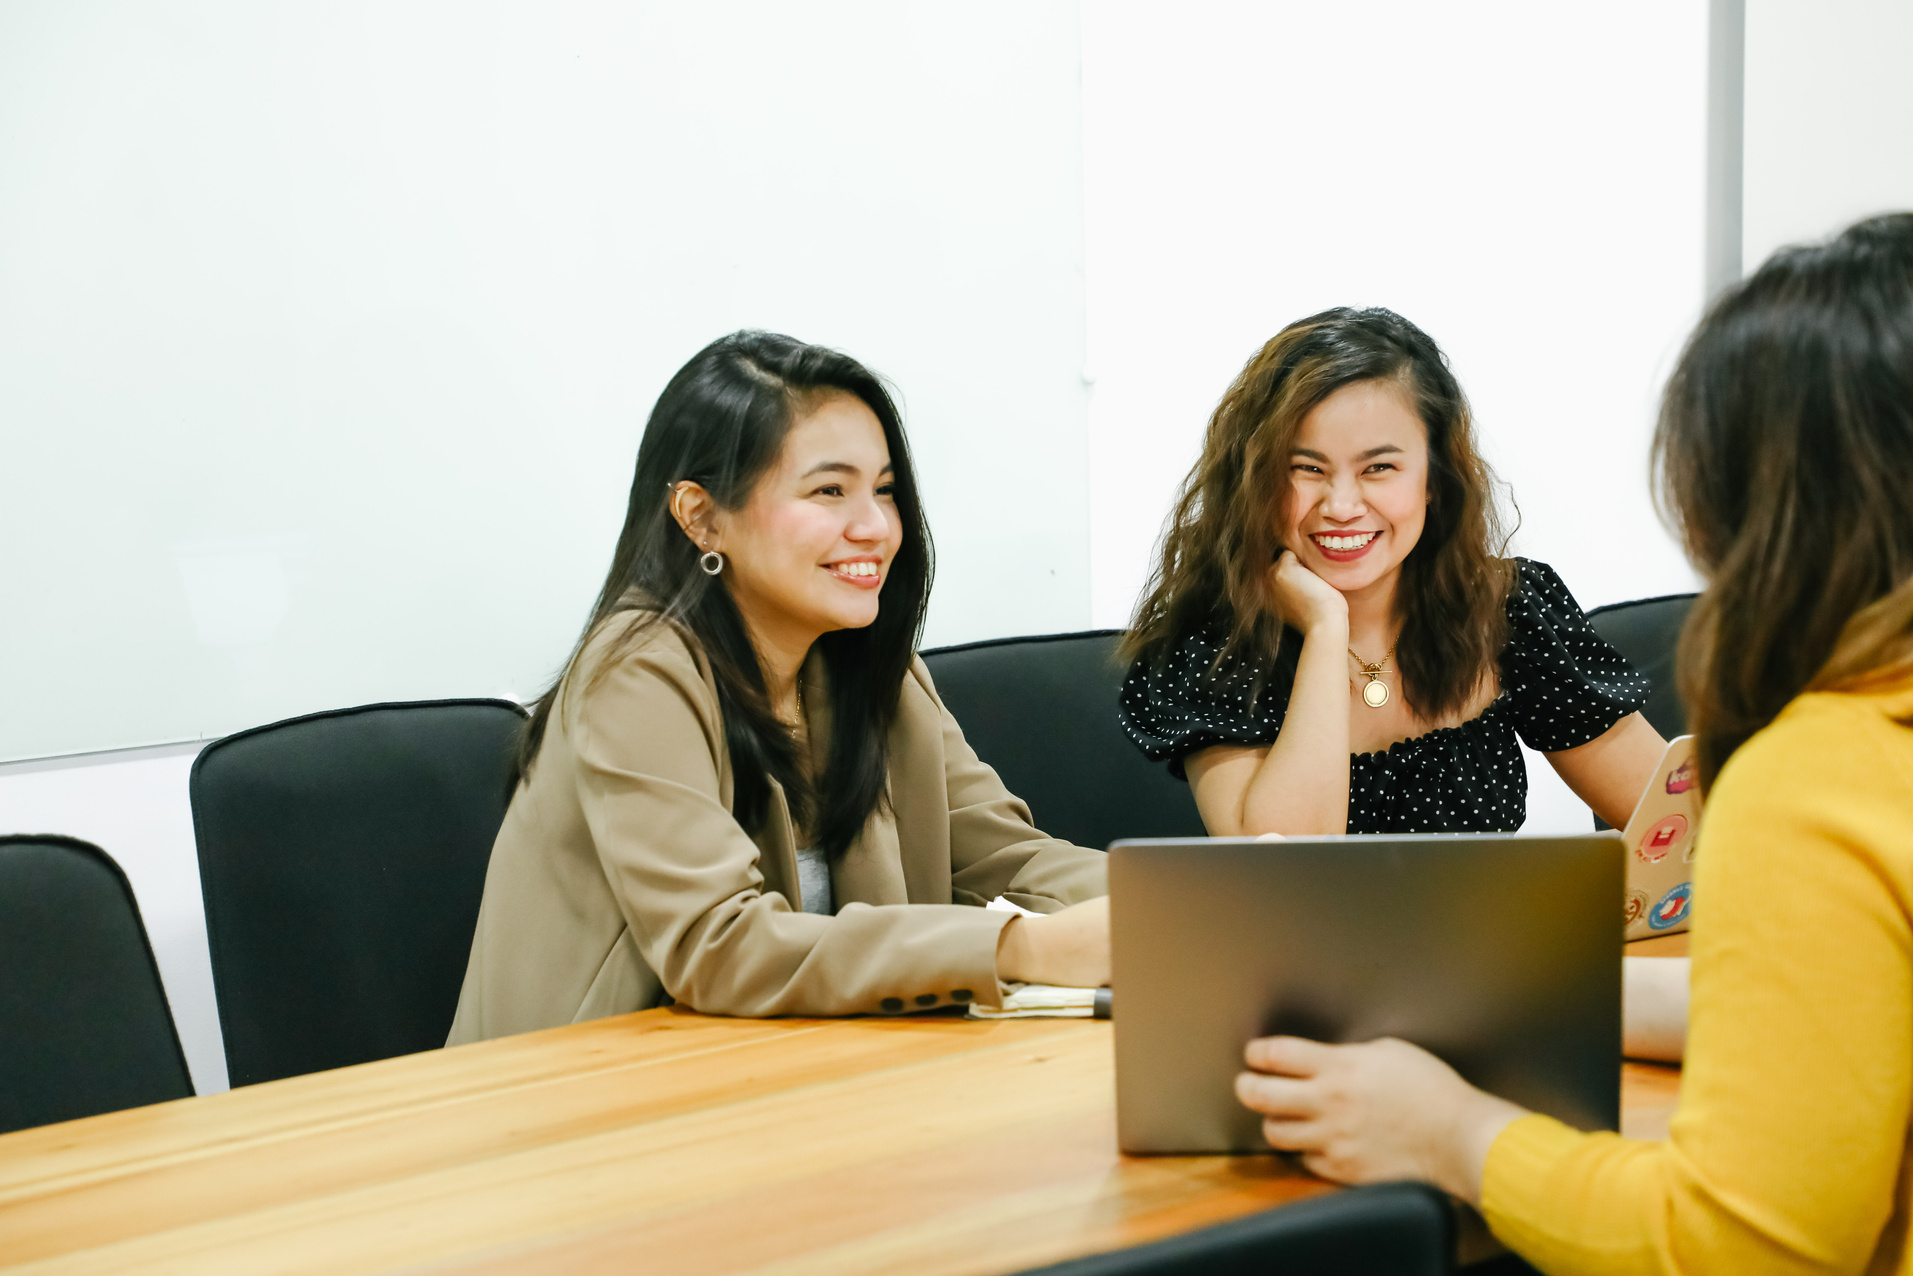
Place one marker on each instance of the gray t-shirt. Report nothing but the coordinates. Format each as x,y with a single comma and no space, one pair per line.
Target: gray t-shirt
813,879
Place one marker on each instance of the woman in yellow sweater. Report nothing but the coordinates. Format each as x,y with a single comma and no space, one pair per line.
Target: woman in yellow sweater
1785,450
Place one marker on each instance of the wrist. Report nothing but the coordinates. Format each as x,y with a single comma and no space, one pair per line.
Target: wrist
1479,1124
1013,951
1331,629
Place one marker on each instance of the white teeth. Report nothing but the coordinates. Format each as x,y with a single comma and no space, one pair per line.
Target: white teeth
855,569
1346,542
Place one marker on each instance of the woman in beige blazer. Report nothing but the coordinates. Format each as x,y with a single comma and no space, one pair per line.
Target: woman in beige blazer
743,792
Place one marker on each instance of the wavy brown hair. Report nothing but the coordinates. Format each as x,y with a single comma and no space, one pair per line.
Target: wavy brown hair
1784,455
1223,535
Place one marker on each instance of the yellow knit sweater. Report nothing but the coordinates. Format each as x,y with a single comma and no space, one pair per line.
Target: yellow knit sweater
1790,1151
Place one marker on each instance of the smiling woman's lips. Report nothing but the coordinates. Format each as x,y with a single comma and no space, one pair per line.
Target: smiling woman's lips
1367,542
871,578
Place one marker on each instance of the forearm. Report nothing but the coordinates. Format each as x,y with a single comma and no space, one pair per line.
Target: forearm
762,960
1301,787
1042,875
1654,1008
1611,771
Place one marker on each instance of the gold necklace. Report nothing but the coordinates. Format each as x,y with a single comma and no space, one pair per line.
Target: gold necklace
1375,691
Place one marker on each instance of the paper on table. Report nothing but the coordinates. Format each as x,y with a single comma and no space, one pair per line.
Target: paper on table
1039,1001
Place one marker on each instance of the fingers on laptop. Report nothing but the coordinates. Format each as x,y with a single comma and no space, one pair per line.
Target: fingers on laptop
1281,1098
1288,1056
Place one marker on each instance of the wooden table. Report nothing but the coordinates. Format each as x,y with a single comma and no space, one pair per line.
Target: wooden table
662,1141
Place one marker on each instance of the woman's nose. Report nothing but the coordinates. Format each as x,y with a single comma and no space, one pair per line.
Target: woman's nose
1345,500
869,522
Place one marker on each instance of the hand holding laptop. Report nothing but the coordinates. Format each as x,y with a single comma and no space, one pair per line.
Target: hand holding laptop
1376,1112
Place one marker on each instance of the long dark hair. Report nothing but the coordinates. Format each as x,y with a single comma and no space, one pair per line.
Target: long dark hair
1452,599
1784,455
721,422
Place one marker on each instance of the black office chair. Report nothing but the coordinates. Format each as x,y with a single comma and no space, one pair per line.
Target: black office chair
342,858
83,1016
1647,632
1042,711
1402,1229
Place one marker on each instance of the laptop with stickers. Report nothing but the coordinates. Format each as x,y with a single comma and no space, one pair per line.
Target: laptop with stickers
1660,837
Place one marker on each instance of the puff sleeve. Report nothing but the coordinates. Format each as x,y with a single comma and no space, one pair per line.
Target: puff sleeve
1187,701
1564,683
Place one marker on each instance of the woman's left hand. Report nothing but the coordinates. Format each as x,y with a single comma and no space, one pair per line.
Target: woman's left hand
1371,1113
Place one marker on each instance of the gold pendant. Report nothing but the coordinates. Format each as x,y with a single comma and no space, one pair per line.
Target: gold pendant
1375,694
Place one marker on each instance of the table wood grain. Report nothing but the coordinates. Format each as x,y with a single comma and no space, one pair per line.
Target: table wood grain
663,1140
1659,946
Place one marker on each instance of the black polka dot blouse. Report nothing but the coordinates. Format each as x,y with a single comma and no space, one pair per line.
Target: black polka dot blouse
1561,686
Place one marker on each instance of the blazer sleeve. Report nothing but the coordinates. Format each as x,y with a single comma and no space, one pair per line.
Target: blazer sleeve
648,738
995,847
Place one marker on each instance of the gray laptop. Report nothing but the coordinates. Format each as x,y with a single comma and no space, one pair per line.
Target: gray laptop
1498,952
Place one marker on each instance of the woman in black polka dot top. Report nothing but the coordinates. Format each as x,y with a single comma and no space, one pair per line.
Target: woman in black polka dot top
1332,643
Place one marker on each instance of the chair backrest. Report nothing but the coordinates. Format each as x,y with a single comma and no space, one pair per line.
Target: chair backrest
84,1026
1042,711
342,858
1647,632
1403,1229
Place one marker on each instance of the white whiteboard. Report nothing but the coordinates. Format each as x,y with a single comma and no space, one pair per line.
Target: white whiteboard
328,330
1829,118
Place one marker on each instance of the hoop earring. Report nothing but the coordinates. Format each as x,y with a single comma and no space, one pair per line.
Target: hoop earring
710,562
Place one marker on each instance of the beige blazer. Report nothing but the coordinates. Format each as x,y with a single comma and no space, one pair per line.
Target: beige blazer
620,877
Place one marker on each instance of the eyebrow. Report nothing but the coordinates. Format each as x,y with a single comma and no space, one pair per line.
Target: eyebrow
1369,455
843,467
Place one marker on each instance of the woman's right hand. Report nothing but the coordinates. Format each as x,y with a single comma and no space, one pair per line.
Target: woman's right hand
1306,601
1069,948
1374,1112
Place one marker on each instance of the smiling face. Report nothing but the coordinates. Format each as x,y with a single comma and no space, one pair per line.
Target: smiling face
808,552
1358,486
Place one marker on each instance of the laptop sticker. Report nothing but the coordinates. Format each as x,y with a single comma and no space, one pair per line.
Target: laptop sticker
1636,906
1672,910
1682,778
1662,838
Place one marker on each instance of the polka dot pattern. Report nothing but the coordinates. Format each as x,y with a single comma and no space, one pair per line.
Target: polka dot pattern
1561,686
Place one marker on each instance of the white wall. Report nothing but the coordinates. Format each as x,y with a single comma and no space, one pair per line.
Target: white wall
328,330
1523,181
1829,114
